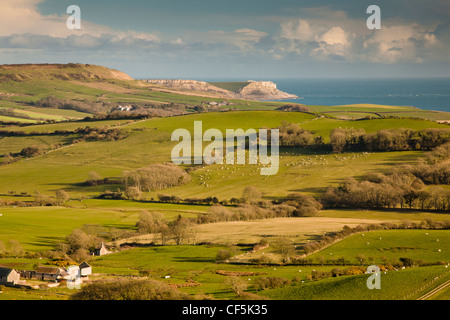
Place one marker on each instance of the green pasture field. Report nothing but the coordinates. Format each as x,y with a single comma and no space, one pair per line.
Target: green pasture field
41,228
16,144
14,119
362,108
191,262
324,126
400,216
66,125
427,245
305,170
359,111
395,285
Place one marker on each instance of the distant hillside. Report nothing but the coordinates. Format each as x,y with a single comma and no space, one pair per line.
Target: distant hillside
33,93
71,71
231,86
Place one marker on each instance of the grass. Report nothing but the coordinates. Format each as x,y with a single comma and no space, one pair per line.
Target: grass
360,111
41,228
387,245
324,126
304,170
395,285
231,86
189,262
148,142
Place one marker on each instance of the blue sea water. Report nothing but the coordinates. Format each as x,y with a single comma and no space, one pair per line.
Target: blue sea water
428,94
423,93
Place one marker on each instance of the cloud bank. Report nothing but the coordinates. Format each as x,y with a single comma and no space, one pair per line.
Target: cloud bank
323,36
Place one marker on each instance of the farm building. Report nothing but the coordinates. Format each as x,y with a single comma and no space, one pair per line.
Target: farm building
28,274
101,251
85,269
9,277
50,273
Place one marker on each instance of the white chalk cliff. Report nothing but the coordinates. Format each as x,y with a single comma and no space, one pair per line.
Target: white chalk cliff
254,90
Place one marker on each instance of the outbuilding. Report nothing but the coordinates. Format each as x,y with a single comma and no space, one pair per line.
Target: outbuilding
9,277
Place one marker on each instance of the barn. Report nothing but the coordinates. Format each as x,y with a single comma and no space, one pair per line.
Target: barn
9,277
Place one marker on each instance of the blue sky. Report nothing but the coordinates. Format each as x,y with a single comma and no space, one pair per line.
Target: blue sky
238,39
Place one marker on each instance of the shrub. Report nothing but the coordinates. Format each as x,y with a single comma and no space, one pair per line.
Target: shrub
129,290
223,255
156,177
32,151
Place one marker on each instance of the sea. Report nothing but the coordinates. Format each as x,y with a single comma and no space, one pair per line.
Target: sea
423,93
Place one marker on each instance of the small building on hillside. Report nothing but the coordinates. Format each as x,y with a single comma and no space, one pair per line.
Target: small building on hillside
50,273
101,251
9,277
85,269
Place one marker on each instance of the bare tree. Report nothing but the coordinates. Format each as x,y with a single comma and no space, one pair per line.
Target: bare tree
237,285
251,194
61,197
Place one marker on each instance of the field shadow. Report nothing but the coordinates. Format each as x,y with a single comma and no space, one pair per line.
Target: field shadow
400,159
305,151
81,186
46,241
313,237
193,259
118,226
315,190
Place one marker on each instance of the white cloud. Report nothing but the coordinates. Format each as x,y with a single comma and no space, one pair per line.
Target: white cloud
23,17
324,35
398,43
298,30
335,36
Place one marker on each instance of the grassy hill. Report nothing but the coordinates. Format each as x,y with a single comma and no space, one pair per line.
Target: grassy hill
93,89
230,86
148,142
395,285
68,156
426,245
71,71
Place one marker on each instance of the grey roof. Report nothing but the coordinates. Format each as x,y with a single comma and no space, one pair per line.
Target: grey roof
84,265
4,272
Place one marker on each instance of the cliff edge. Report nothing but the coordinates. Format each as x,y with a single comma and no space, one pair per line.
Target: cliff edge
251,90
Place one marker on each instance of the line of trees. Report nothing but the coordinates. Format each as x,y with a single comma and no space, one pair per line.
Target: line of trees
404,187
355,140
434,168
295,205
291,135
180,230
350,140
387,191
155,177
81,106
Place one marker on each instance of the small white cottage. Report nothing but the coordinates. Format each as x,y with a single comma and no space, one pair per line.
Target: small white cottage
9,277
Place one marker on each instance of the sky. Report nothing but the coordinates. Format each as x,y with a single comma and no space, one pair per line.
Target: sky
235,39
